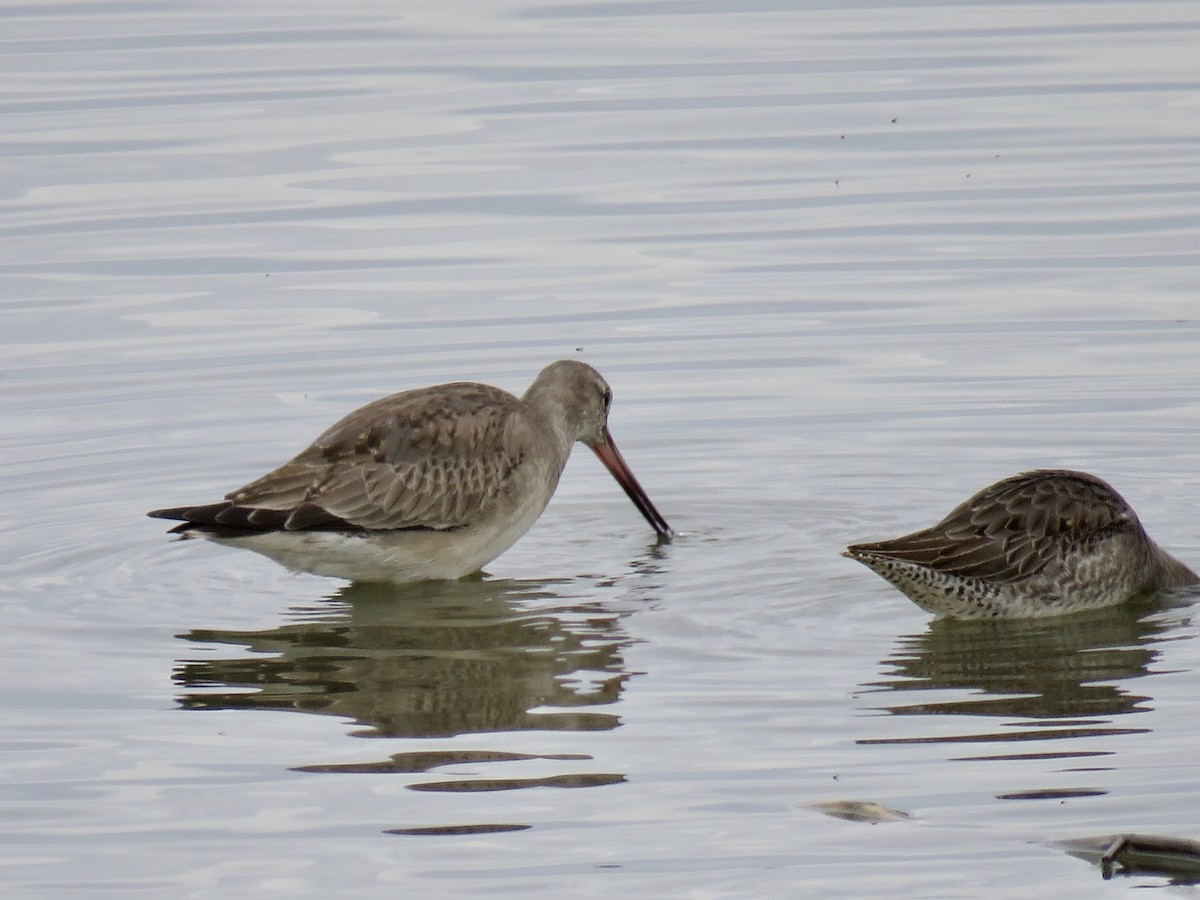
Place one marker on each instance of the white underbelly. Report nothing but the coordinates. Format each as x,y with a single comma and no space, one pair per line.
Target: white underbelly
394,556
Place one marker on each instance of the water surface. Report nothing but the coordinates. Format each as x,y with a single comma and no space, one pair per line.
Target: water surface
843,265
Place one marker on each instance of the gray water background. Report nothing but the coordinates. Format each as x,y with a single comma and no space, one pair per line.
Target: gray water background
843,265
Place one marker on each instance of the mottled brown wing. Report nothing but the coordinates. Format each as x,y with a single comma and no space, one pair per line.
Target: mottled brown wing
1015,528
429,458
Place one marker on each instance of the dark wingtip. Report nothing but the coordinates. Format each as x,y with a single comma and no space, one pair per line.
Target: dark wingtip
204,514
227,518
177,512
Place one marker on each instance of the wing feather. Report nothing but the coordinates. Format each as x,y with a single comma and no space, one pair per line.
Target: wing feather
1015,528
430,458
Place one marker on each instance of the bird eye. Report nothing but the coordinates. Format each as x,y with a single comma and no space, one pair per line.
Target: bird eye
607,398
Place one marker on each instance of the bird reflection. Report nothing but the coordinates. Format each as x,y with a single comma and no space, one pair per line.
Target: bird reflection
429,660
1074,668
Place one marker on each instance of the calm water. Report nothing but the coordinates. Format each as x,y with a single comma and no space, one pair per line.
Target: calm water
843,265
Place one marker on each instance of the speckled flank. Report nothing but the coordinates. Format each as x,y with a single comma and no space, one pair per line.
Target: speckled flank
1039,544
426,484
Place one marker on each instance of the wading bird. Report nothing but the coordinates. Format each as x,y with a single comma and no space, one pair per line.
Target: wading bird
1039,544
432,483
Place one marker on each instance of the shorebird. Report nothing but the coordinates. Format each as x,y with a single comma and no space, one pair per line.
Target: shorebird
1042,543
428,484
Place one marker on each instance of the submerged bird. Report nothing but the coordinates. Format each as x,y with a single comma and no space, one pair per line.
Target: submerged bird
427,484
1039,544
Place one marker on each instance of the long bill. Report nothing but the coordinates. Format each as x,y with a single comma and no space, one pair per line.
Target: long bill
607,451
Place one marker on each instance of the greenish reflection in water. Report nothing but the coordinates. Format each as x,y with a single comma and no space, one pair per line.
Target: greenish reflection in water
425,661
1065,677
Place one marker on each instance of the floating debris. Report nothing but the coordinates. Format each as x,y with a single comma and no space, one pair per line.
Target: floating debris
1138,853
859,811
